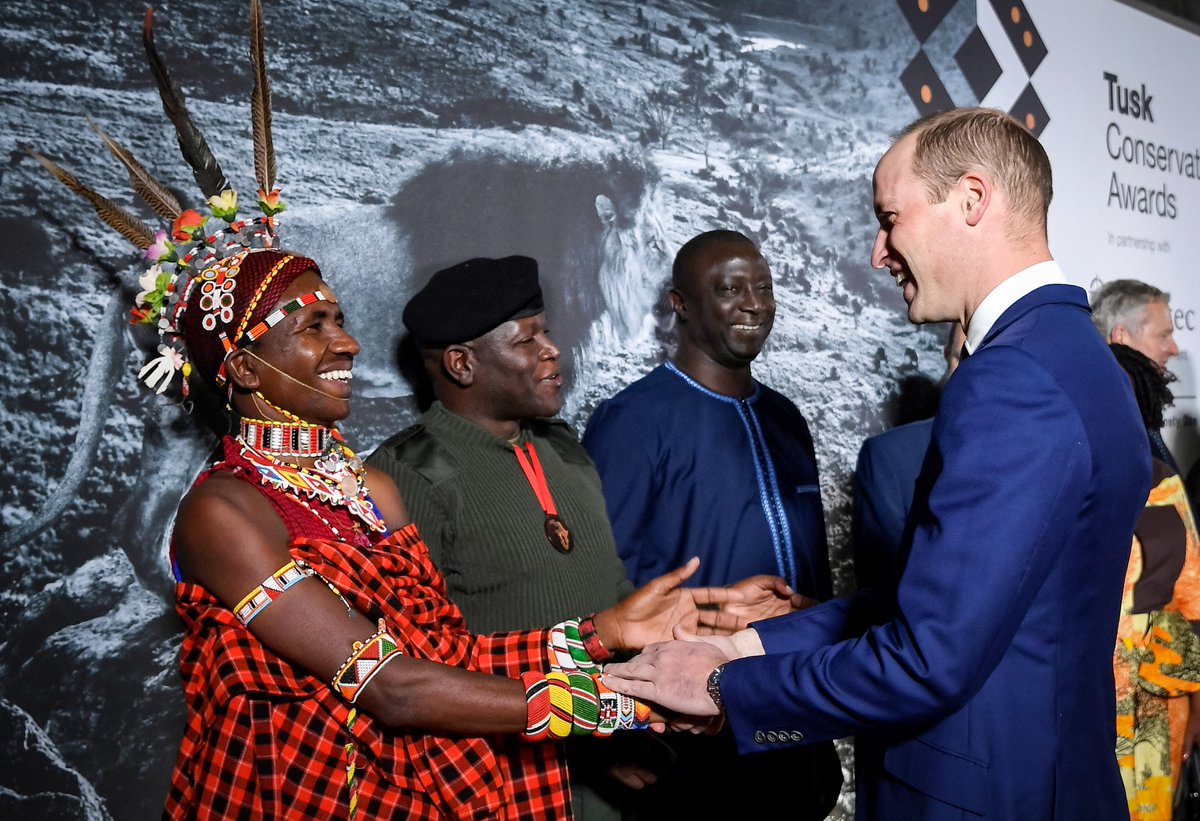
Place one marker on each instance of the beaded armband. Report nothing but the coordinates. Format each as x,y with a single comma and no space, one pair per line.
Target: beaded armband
367,659
271,588
274,585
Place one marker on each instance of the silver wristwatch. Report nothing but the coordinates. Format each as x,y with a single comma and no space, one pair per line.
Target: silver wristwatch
714,686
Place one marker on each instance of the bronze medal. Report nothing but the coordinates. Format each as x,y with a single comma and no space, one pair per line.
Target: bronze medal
557,533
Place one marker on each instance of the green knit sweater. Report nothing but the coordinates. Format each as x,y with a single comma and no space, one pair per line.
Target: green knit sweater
486,531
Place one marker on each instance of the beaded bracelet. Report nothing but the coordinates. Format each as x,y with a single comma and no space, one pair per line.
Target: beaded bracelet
585,705
606,718
591,641
568,649
367,659
537,706
579,655
560,704
557,651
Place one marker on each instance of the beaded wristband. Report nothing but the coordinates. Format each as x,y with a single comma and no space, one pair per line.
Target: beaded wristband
566,650
591,641
271,588
561,704
367,659
606,718
537,706
579,654
557,651
584,704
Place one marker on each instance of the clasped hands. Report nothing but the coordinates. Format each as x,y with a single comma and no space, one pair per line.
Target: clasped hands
673,676
705,621
651,612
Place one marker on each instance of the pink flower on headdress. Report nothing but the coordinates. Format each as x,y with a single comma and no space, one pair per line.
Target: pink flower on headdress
269,204
187,224
224,206
161,249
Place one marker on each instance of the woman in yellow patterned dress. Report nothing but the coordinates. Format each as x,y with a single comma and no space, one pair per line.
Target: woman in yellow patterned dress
1157,658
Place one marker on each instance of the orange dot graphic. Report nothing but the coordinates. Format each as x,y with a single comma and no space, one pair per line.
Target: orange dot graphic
923,5
1030,121
926,94
1027,39
1015,14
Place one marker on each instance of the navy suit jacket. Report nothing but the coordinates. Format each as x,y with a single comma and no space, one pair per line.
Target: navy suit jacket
884,482
984,684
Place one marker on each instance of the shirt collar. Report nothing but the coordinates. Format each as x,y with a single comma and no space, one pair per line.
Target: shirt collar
1004,295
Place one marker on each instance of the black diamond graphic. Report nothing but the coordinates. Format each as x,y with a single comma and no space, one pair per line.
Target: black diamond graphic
978,63
924,86
1022,33
924,15
1029,111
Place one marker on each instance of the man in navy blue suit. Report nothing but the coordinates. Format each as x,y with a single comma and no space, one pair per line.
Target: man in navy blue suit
885,479
982,682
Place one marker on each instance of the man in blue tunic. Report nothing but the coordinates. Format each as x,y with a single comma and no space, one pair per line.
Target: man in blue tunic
699,458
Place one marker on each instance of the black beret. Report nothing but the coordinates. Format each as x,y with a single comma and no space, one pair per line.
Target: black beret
465,301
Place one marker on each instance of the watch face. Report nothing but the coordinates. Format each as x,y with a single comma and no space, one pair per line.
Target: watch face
714,686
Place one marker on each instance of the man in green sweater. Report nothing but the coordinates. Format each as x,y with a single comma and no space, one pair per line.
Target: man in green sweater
505,497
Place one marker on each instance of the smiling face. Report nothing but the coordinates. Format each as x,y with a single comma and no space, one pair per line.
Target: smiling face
725,306
515,373
304,363
916,239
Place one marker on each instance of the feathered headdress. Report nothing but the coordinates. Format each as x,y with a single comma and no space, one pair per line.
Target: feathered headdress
187,255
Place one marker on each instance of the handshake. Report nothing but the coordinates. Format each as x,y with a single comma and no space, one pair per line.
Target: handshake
680,678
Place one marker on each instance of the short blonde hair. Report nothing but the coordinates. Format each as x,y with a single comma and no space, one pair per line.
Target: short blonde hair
951,143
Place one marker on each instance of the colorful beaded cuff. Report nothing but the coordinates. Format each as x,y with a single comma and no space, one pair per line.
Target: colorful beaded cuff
585,706
365,662
537,706
271,588
591,641
566,650
561,704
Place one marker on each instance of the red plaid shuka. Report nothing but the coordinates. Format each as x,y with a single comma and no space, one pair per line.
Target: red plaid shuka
265,739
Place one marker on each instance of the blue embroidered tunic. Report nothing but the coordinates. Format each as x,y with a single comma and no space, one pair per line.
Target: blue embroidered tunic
689,472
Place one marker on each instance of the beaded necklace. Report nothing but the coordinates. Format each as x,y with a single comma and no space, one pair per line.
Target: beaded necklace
337,477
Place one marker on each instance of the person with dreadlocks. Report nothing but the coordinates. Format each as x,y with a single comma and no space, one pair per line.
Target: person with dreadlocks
326,673
1157,658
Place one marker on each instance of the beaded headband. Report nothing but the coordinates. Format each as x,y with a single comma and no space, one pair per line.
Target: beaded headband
197,251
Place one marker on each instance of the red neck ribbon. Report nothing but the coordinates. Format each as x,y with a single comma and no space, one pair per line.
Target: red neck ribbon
531,466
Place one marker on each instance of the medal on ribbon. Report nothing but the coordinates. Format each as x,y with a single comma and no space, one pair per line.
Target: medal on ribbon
556,531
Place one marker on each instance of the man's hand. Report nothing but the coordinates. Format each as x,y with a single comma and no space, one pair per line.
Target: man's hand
671,674
762,597
650,612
